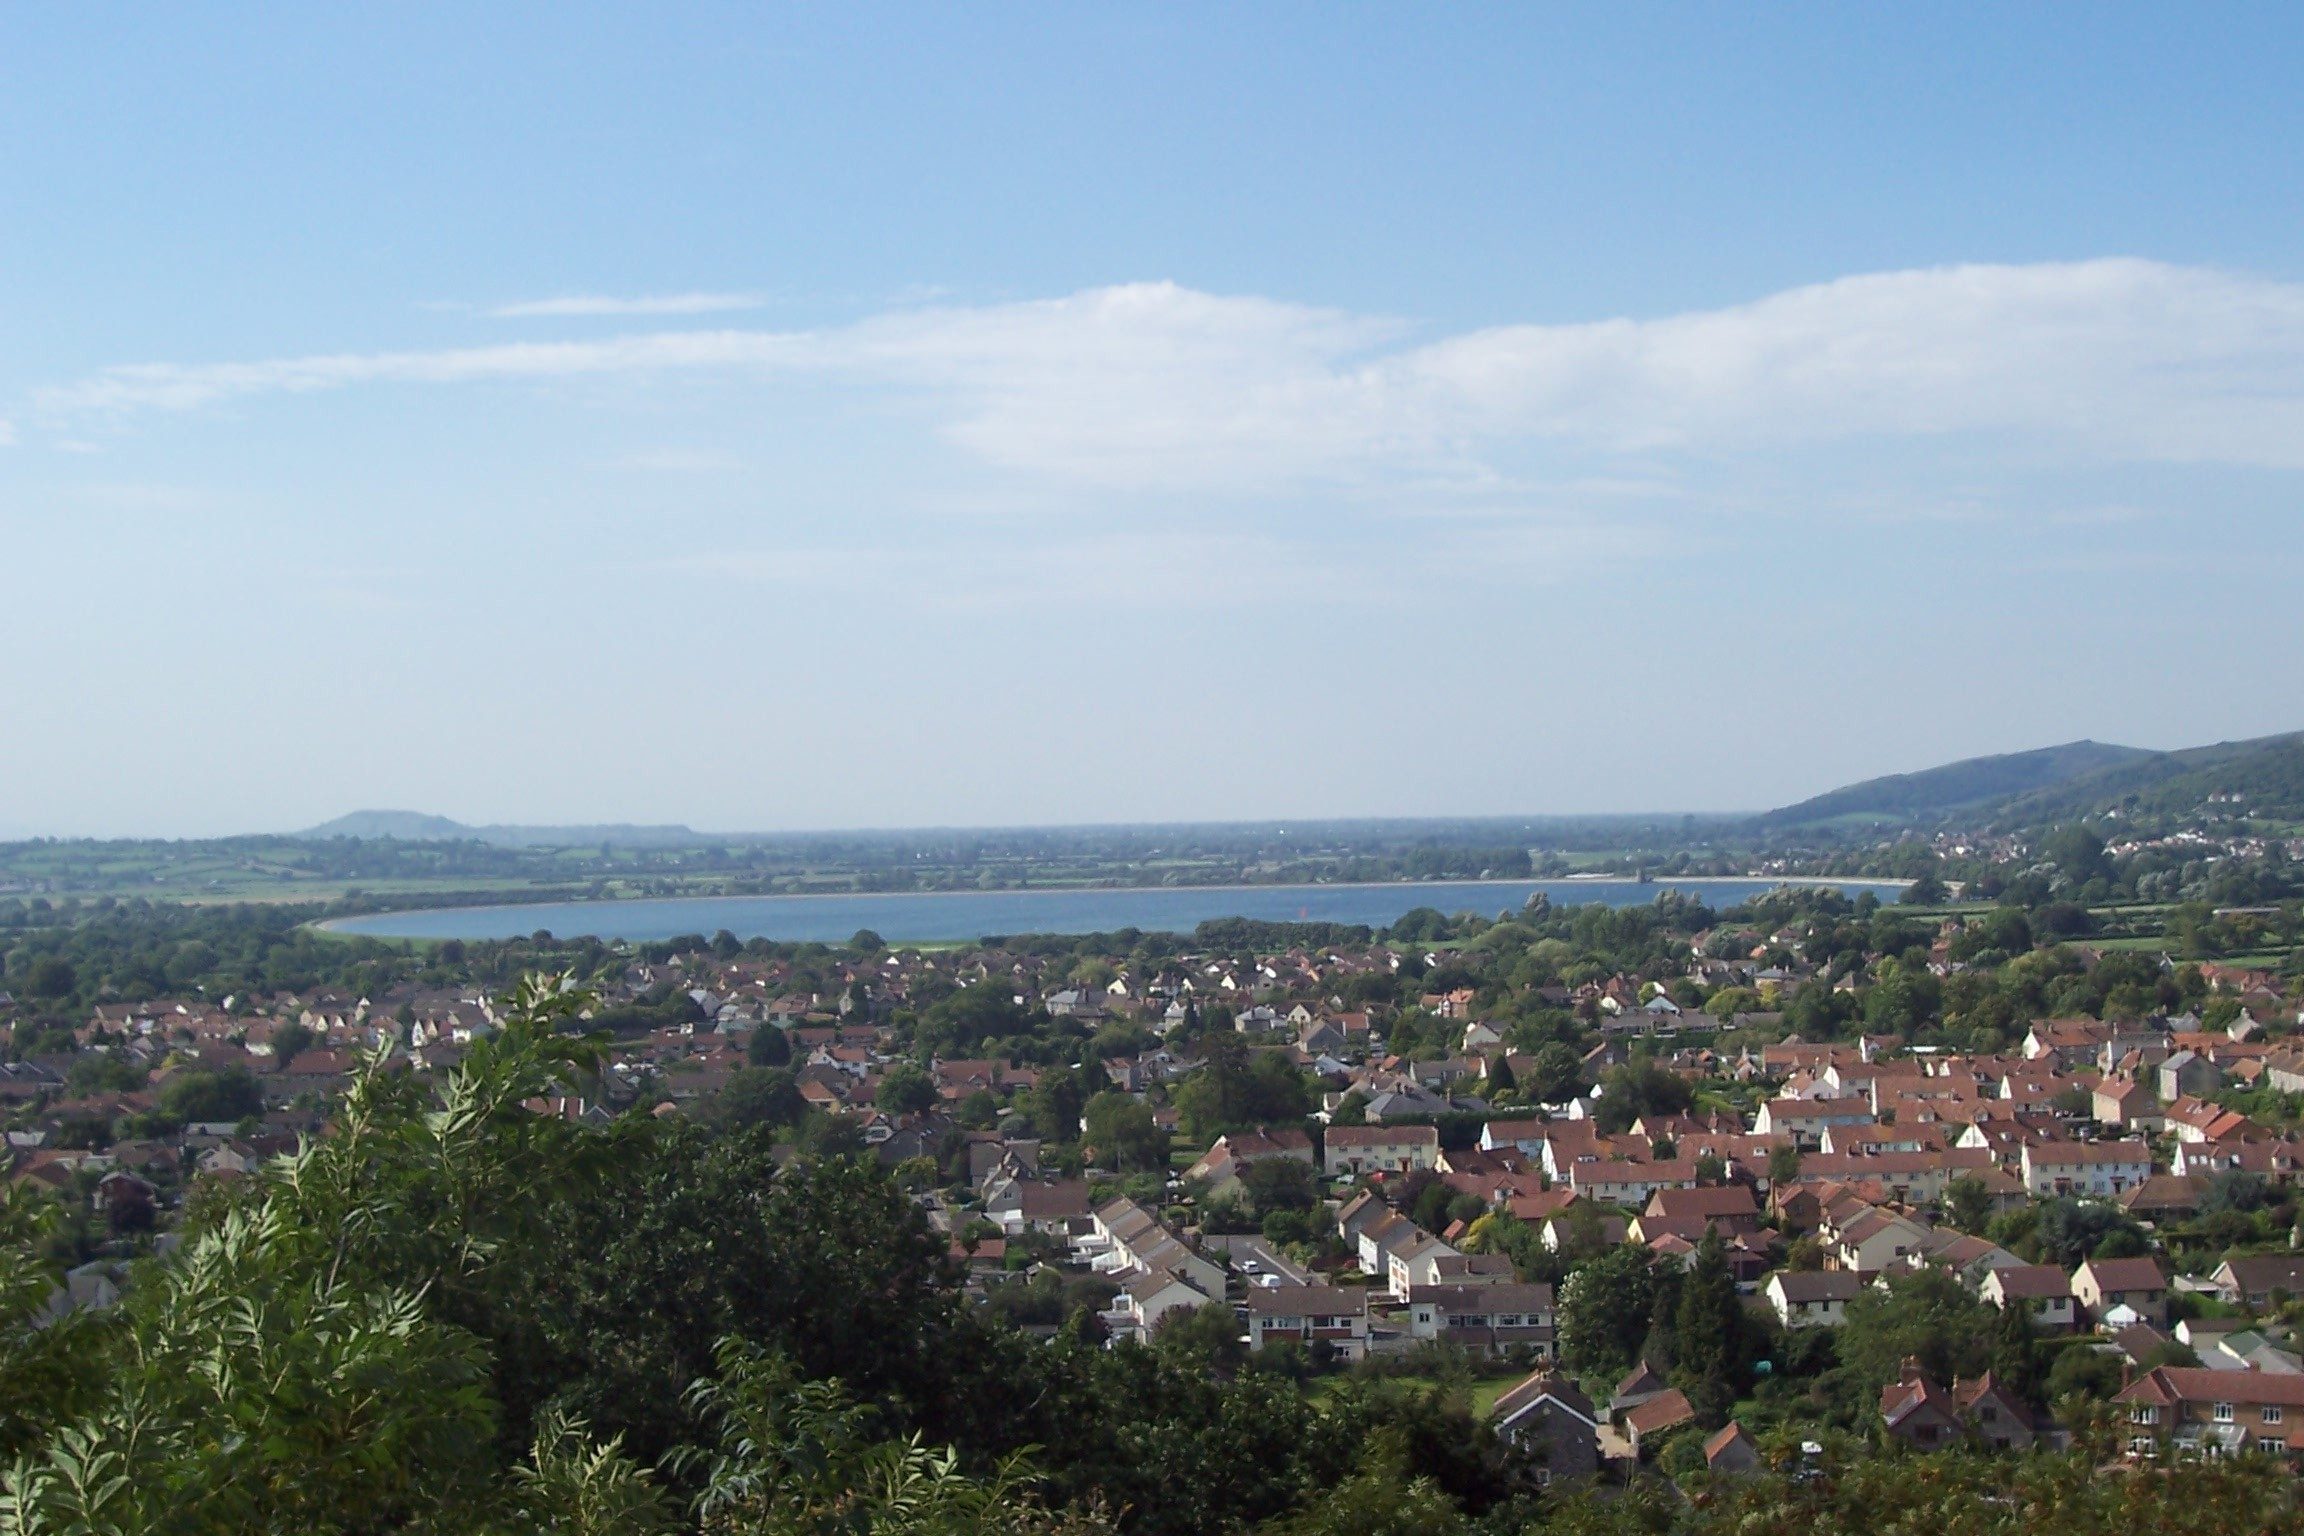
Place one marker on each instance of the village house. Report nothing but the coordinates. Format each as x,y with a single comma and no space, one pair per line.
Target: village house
2194,1409
1556,1424
1353,1151
1871,1239
2118,1292
2084,1167
1811,1299
1728,1209
2044,1288
1027,1205
1484,1319
2258,1282
1415,1261
1148,1299
2189,1074
1336,1316
1916,1411
1223,1163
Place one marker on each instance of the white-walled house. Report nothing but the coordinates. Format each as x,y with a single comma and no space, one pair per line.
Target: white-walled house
2052,1168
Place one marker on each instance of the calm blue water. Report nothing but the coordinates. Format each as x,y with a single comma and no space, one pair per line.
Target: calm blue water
963,915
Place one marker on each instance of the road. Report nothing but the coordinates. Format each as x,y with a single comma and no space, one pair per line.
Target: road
1247,1246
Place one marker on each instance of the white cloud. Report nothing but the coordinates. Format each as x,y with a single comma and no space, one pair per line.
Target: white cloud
594,304
1158,386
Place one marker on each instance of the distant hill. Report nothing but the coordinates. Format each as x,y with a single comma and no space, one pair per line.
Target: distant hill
407,826
2266,774
2072,782
417,827
1972,782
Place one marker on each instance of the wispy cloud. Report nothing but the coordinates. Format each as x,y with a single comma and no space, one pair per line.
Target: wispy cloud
595,304
1158,386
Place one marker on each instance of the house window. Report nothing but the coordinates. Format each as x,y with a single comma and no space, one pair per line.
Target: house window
2270,1414
2144,1415
2223,1413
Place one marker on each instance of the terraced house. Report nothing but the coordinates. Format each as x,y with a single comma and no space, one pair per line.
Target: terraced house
1336,1316
1484,1319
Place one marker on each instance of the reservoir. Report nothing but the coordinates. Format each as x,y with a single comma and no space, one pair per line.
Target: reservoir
962,916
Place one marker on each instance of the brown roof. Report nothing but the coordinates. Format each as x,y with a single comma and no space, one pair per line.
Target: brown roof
2190,1384
1309,1300
1382,1135
1818,1285
1660,1413
1704,1202
1526,1394
1729,1434
2033,1282
2126,1274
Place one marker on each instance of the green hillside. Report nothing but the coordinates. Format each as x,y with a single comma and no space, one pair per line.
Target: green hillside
1976,781
2266,773
2076,781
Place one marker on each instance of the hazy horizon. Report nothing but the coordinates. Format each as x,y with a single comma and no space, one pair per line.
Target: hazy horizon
896,418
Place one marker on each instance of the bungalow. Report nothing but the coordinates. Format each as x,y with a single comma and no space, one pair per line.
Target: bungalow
2084,1167
1354,1150
2139,1285
1547,1417
1336,1316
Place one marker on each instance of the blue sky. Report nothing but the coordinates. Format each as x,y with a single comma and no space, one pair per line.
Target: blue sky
882,416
